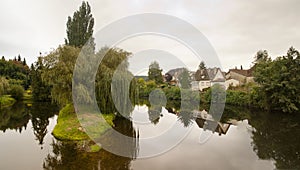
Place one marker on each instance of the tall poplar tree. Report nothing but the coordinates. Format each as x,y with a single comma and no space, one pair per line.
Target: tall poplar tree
80,27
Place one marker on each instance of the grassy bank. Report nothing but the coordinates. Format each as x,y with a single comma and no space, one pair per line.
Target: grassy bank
6,101
68,126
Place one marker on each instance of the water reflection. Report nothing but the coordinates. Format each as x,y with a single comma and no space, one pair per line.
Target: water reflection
72,155
40,114
69,155
276,136
122,139
14,118
18,116
269,137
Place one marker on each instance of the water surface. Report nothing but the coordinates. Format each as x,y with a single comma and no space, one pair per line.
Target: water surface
256,140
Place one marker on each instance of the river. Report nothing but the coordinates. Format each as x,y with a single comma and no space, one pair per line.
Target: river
247,139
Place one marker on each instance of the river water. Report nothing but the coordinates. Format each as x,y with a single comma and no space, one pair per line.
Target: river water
244,139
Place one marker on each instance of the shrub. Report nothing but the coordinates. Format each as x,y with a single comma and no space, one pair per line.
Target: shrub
16,91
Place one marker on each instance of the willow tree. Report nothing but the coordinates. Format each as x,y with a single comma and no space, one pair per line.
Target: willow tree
113,83
58,73
80,27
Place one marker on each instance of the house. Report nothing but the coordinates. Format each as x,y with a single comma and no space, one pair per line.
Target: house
231,82
243,76
206,121
220,128
209,77
194,82
195,85
172,76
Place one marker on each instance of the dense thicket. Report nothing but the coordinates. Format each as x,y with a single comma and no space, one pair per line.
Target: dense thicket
40,90
16,71
279,81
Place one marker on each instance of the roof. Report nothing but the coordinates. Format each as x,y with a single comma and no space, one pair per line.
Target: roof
246,73
174,71
210,74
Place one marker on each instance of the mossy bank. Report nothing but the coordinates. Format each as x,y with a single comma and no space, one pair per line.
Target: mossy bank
73,127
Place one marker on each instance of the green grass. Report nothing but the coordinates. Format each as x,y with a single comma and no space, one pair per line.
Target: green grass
95,148
68,126
6,101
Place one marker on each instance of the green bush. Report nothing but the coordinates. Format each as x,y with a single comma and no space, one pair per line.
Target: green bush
238,98
172,93
16,92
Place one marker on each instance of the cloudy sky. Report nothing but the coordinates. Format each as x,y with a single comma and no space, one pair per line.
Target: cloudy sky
236,29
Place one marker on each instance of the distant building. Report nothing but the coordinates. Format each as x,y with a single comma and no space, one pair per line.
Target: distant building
195,85
172,76
231,82
243,76
209,77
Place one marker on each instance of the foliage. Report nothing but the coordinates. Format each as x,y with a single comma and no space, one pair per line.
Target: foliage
145,88
4,85
202,66
16,92
58,73
184,79
172,93
16,71
6,101
261,56
40,90
67,127
115,85
279,82
200,71
80,27
238,98
215,94
155,73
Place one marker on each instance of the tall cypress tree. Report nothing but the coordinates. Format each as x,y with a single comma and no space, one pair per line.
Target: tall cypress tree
80,27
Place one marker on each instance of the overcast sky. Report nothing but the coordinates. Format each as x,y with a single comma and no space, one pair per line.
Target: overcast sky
236,29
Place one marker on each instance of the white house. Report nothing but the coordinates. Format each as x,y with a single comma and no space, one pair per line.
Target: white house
195,85
209,77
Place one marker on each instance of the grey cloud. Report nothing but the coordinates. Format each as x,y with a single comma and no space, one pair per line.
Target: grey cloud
237,29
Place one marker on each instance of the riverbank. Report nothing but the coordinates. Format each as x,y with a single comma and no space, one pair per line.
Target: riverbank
73,127
6,101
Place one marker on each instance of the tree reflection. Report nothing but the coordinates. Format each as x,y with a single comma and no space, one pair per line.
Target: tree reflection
122,139
154,113
40,114
15,117
67,155
276,136
186,117
72,155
